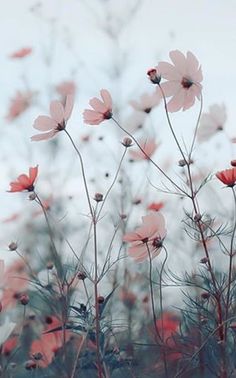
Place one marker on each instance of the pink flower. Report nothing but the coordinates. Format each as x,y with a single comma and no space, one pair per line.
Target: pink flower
228,176
149,147
66,88
102,109
57,122
183,80
148,237
22,53
147,102
155,206
24,182
19,104
212,122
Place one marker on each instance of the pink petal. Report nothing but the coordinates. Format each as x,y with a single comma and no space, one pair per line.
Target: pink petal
98,105
92,118
179,61
33,173
69,106
44,123
170,88
106,98
57,111
168,71
16,187
24,180
44,136
177,101
189,99
192,63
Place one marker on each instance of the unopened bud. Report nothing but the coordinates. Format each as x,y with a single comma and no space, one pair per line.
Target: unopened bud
50,265
233,163
127,142
153,75
13,246
197,217
24,299
100,299
32,196
204,260
82,276
98,197
205,295
182,163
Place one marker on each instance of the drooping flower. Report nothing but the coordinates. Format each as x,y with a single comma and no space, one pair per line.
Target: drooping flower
149,147
228,176
212,122
24,182
183,80
147,238
147,102
102,110
22,53
19,104
56,122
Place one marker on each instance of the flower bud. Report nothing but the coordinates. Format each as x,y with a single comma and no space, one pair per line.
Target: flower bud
204,260
233,163
32,196
98,197
50,265
153,75
100,299
81,276
127,142
182,163
205,295
24,299
13,246
197,217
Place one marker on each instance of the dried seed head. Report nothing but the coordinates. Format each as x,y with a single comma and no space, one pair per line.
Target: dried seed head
197,217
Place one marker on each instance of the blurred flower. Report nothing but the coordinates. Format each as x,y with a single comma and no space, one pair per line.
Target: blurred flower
155,206
135,121
57,122
13,282
66,88
12,218
9,345
149,147
6,329
228,176
24,182
183,80
170,324
148,237
127,297
147,102
19,104
102,109
48,343
22,53
212,122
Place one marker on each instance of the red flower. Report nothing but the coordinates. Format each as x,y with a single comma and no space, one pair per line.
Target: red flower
102,110
24,182
228,176
155,206
25,51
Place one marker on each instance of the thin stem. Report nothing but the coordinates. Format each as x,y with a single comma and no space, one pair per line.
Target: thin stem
148,157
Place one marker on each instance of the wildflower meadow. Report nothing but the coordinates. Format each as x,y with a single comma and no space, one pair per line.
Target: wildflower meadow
118,211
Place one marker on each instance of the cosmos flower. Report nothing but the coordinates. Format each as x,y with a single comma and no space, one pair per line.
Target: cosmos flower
149,147
147,102
183,79
19,103
102,110
147,238
212,122
56,122
22,53
228,176
24,182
